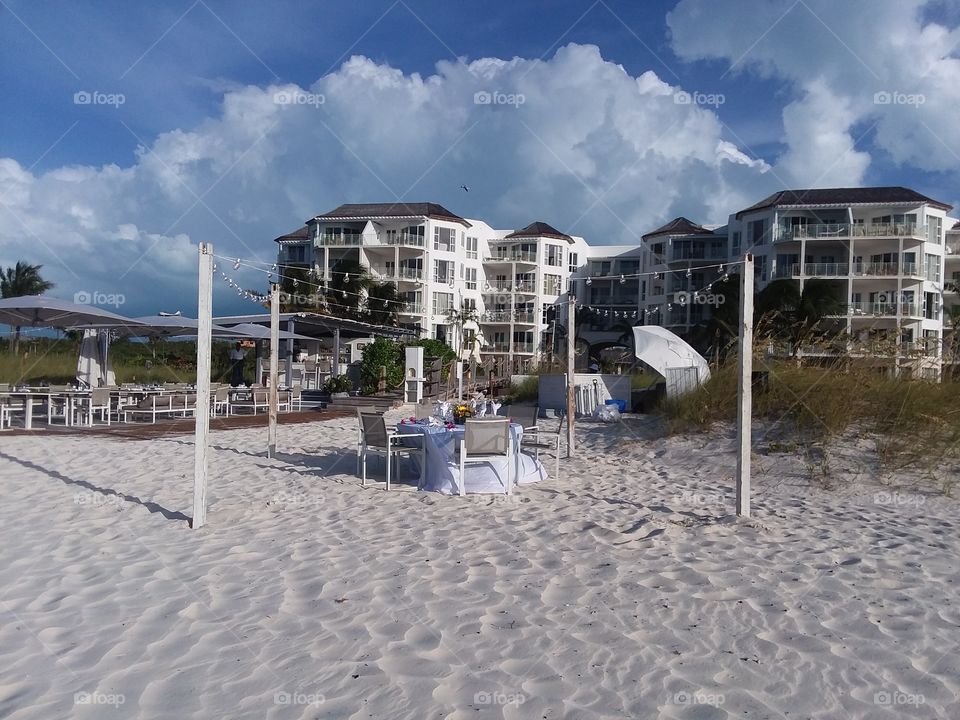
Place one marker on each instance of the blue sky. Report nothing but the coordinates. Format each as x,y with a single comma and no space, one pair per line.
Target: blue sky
785,94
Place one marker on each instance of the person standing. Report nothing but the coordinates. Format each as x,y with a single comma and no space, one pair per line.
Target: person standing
237,356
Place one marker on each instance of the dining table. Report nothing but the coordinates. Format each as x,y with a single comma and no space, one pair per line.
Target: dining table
442,472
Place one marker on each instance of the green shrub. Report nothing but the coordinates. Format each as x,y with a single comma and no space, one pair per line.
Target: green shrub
337,384
381,353
526,390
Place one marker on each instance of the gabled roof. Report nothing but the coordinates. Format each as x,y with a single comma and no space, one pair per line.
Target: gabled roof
384,211
839,197
539,229
299,235
679,226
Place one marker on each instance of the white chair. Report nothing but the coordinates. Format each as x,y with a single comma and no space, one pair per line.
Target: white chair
97,402
377,440
538,440
221,400
310,374
296,397
485,441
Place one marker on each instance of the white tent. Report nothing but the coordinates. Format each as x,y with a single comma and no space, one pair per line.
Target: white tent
682,366
93,365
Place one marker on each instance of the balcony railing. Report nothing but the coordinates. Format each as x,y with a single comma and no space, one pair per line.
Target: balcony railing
502,287
697,254
614,300
881,309
411,309
838,230
885,269
508,316
523,347
525,286
339,240
443,278
405,239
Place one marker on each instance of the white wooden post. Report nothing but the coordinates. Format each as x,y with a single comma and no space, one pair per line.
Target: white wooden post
274,369
745,388
289,372
202,409
571,372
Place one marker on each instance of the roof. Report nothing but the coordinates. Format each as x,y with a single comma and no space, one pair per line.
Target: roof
679,226
539,229
382,211
299,235
844,196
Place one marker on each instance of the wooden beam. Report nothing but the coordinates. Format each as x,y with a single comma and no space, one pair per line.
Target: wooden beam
202,409
274,397
745,388
571,372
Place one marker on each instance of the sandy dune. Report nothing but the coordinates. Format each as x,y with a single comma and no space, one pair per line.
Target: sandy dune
624,589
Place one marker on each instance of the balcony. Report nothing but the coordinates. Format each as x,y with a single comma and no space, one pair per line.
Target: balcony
404,239
885,269
680,253
615,300
519,347
509,316
339,240
525,286
411,309
845,230
444,278
881,309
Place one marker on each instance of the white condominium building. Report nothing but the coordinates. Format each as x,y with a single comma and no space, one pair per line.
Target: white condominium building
444,264
889,255
881,250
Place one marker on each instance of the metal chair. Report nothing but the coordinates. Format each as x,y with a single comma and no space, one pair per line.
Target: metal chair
221,400
97,402
377,440
310,374
538,440
483,441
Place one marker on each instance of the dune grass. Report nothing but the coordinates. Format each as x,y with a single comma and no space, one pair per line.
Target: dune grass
913,424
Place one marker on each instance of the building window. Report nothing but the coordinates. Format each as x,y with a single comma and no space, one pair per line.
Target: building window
934,229
472,247
551,284
573,262
554,255
932,271
444,239
442,303
470,278
735,245
444,271
756,232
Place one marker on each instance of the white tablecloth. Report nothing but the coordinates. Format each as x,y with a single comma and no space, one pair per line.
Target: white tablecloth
443,469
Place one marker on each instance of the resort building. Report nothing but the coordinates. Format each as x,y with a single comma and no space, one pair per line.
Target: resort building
449,270
881,250
889,255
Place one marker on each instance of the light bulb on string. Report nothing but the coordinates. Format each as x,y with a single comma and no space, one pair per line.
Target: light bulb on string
622,279
214,267
236,265
689,272
589,281
720,269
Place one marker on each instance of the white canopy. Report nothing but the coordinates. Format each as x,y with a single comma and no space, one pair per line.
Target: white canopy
664,351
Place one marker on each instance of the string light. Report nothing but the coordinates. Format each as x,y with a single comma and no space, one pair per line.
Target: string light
236,265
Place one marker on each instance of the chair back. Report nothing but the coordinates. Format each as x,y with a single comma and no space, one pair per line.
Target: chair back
100,397
222,394
486,437
295,391
260,397
374,429
324,366
525,415
310,366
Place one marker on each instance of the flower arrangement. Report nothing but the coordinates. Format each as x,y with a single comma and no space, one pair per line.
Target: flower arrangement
461,411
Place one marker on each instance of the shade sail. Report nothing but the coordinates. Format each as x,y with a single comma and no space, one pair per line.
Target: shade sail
43,311
261,332
177,326
662,350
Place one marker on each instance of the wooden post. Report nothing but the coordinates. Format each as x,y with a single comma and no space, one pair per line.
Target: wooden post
289,369
571,372
745,388
202,409
335,369
274,369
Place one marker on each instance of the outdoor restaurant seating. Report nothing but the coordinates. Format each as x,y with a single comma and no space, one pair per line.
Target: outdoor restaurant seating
376,440
485,440
169,404
98,401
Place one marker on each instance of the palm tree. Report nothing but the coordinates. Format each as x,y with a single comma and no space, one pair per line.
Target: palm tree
383,301
19,280
793,314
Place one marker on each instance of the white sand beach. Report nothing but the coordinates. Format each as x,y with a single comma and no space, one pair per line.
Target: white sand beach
623,589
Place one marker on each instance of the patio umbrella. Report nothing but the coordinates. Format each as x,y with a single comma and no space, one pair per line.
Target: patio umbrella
93,365
43,311
261,332
166,326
